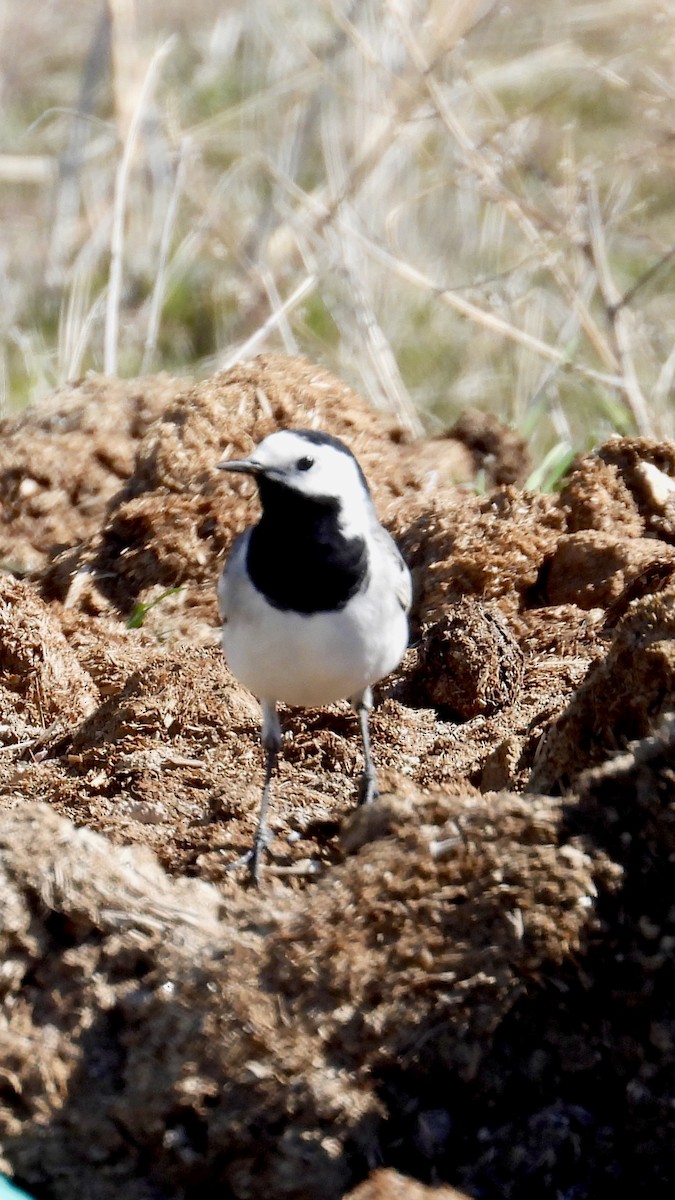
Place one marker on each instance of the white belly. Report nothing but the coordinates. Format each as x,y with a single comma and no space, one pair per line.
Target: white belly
311,660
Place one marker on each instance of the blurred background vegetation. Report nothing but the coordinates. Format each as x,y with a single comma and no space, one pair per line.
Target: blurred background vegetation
449,203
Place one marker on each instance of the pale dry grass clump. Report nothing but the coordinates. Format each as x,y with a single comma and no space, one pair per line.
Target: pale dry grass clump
448,203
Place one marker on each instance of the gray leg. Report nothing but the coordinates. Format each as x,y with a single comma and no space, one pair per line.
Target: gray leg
271,743
368,786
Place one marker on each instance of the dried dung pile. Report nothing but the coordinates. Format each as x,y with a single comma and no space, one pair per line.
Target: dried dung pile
59,470
467,986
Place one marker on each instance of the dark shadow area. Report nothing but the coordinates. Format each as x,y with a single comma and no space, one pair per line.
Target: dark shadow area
575,1094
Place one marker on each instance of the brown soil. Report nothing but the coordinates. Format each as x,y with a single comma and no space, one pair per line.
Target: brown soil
466,986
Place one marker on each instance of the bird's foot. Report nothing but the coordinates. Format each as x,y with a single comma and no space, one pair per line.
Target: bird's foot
367,788
251,860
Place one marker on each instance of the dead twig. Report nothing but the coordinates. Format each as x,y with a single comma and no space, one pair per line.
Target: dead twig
487,319
494,188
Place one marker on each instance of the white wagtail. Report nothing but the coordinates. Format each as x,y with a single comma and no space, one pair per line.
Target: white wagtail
314,598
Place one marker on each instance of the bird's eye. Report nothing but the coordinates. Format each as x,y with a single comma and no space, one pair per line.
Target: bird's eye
303,464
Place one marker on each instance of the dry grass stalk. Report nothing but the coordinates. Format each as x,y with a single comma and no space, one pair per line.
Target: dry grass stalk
450,141
618,314
110,347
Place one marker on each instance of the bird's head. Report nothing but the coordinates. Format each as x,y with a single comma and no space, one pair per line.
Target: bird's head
316,467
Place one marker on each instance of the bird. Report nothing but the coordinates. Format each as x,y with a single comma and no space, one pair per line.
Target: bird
314,598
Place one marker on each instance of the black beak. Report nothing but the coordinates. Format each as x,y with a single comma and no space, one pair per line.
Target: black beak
244,466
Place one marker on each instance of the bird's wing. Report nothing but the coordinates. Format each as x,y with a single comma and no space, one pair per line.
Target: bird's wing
400,575
233,576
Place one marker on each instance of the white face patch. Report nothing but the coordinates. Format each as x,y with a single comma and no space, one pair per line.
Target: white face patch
318,469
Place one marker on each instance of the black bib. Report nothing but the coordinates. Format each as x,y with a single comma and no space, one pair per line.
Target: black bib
297,556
